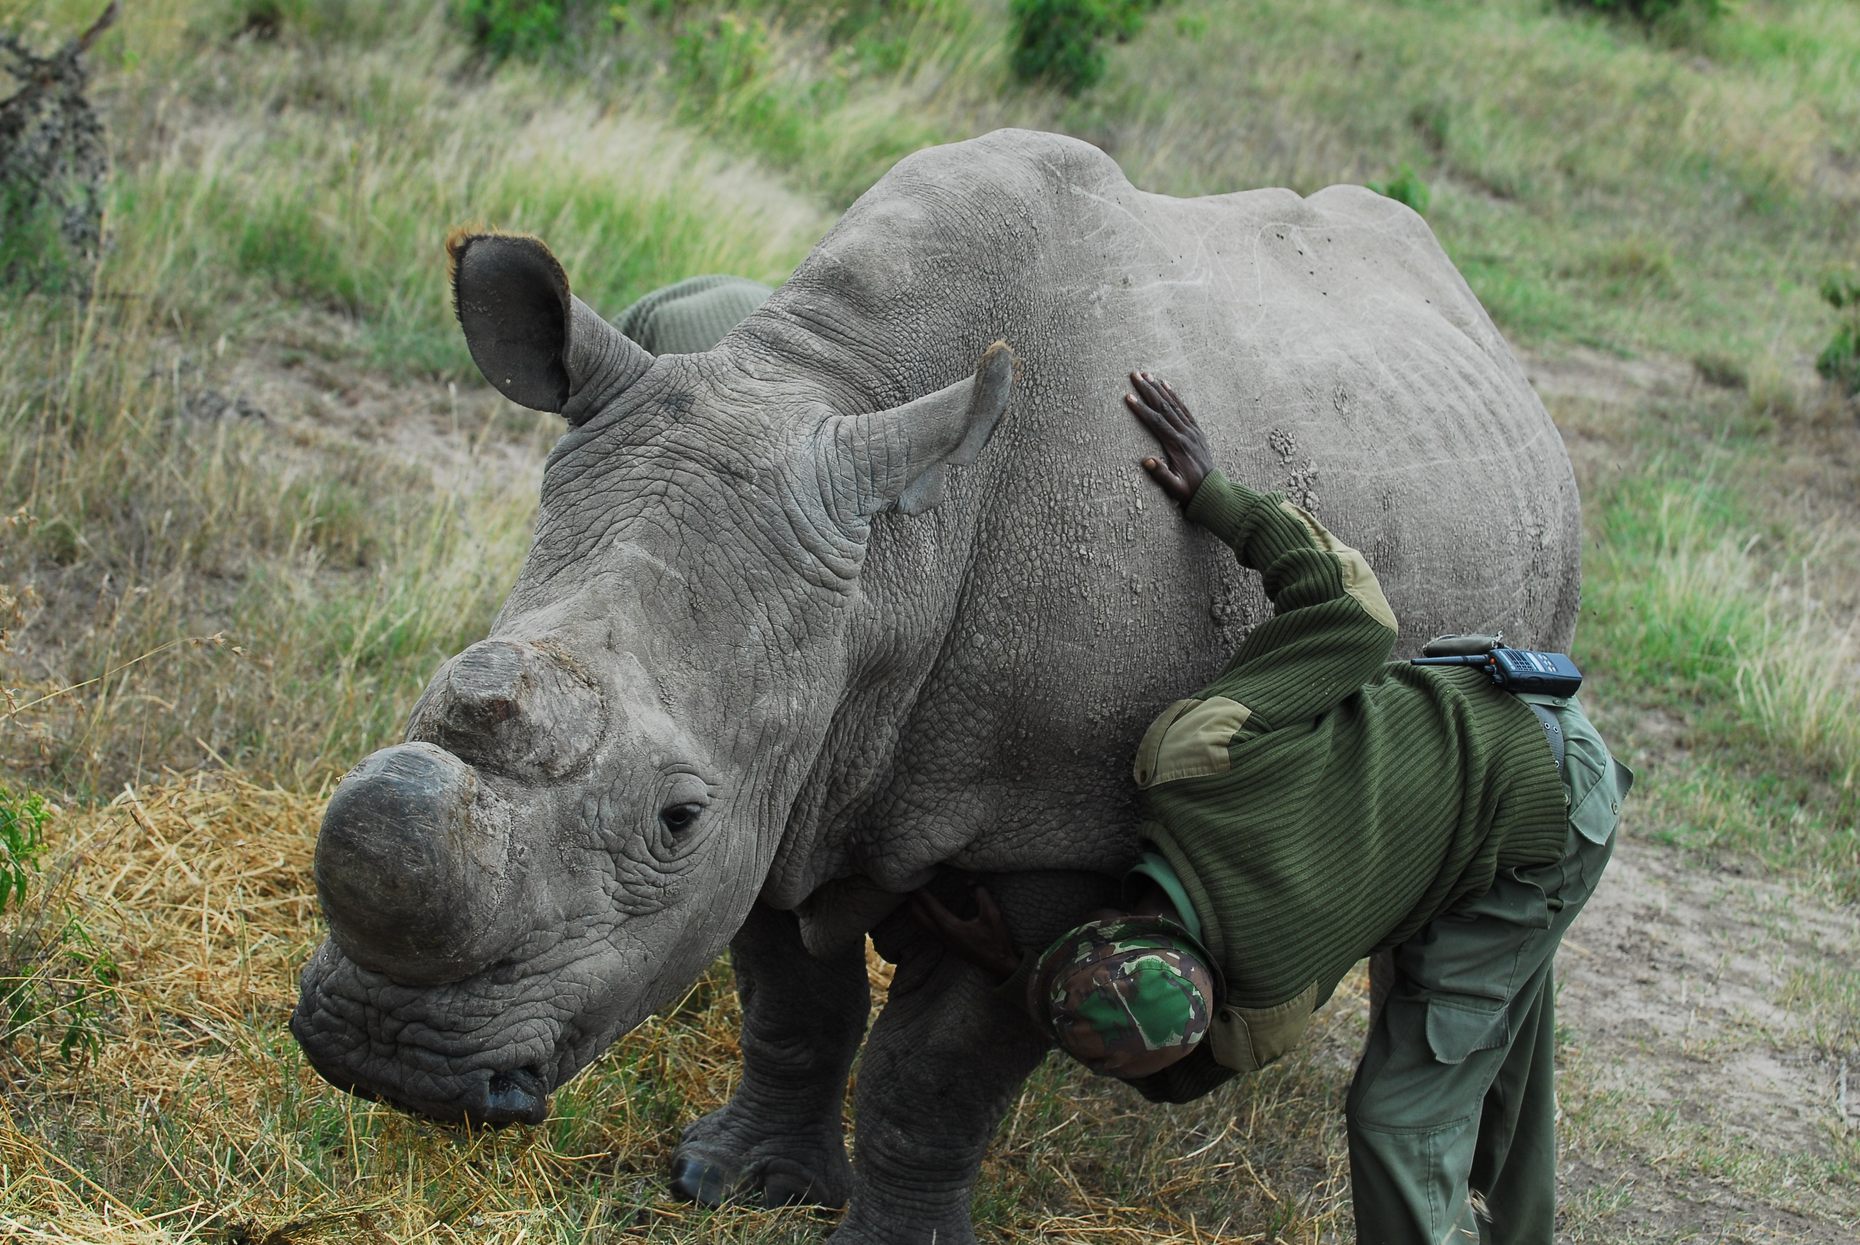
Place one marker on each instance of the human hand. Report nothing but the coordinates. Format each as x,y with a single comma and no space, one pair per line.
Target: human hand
983,939
1186,459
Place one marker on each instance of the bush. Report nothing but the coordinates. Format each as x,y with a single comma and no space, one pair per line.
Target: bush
1405,187
1840,361
721,56
51,970
1057,40
53,165
514,27
1654,12
22,842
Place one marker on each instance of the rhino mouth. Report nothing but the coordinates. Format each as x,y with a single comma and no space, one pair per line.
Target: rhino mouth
483,1098
389,1044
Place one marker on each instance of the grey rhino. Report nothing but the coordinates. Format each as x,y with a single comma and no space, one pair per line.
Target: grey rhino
790,643
691,316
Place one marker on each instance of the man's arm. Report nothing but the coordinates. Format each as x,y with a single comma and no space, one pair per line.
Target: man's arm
984,941
1331,628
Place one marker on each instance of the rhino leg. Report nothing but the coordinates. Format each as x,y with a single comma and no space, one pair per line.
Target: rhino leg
781,1137
941,1066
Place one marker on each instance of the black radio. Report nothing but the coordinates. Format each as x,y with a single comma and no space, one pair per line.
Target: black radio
1514,669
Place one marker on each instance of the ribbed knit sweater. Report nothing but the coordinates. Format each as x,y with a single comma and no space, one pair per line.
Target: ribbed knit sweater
1318,803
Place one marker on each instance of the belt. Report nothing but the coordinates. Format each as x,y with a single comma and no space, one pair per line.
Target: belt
1553,731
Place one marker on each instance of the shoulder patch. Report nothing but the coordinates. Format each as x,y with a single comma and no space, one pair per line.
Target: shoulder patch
1189,739
1358,579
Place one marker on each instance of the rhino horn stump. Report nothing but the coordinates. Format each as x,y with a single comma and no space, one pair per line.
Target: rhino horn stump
509,709
413,867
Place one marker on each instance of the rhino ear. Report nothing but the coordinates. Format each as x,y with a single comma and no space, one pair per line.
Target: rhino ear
897,458
539,345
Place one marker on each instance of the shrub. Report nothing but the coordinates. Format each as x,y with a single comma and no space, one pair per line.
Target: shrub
22,842
1057,40
51,970
714,58
1654,12
53,165
1405,187
1840,361
514,27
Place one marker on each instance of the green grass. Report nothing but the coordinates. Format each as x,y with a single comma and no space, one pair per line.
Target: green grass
291,602
1704,607
337,194
1544,138
295,593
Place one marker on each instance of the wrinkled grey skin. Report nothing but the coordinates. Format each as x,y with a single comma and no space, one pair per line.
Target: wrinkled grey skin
693,315
760,587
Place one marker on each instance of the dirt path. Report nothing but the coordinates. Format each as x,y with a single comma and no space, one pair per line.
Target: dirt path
1713,1089
1711,1014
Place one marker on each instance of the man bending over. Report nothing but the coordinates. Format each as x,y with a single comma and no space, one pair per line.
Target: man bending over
1316,804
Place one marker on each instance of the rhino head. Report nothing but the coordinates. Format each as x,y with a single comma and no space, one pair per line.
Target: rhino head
588,801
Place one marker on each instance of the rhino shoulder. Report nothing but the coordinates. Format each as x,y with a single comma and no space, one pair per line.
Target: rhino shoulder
1000,168
1407,255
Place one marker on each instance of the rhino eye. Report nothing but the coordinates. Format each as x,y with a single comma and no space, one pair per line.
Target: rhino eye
680,817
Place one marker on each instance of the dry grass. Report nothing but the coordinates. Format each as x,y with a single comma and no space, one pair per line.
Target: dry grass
198,1119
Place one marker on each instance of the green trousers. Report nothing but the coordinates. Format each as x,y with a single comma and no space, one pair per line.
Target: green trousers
1452,1113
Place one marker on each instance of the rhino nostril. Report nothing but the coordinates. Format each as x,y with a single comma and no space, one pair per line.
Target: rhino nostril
514,1096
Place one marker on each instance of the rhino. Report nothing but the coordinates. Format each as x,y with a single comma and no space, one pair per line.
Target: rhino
871,593
691,316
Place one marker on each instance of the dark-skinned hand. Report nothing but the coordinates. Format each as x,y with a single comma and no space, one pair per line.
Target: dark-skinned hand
1186,459
983,940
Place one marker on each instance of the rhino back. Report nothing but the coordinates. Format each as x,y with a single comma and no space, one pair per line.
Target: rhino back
1022,635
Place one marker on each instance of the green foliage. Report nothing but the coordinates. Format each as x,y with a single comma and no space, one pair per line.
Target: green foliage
1405,187
22,840
1057,41
1654,12
722,55
34,256
514,27
52,970
1839,361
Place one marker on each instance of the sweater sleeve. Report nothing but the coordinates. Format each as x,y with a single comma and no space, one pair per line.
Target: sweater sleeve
1331,627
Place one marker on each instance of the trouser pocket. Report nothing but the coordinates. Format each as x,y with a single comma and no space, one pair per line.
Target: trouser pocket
1457,1029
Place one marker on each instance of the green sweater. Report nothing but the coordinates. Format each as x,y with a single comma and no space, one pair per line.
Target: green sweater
1317,803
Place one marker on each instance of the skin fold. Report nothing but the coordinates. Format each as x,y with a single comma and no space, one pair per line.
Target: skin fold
860,600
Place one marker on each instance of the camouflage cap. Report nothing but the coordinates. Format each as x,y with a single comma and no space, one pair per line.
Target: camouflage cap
1121,987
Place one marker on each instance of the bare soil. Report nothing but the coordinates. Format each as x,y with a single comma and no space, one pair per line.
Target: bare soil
1684,999
466,435
1712,1087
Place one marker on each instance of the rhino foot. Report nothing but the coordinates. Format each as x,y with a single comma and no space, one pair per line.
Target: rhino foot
952,1228
723,1158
